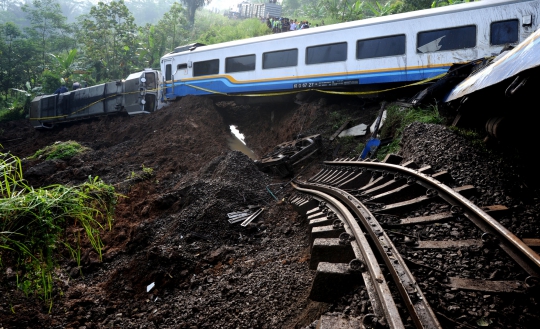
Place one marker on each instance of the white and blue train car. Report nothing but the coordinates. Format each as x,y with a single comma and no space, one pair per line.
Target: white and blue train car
378,51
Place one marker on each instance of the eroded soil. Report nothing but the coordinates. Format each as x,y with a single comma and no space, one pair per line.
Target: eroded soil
171,227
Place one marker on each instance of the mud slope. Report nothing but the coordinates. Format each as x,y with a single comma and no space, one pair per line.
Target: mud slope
170,228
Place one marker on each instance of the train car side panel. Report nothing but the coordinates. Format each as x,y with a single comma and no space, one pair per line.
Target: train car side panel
392,49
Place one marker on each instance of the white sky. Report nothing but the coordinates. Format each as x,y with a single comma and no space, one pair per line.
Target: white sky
224,4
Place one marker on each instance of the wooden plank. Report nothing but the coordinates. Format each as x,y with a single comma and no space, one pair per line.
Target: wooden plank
448,244
532,242
340,129
485,285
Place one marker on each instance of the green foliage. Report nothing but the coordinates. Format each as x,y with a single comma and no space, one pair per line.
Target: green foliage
60,150
108,34
34,222
50,81
337,119
63,63
335,11
359,148
442,3
16,113
398,118
47,24
223,30
147,173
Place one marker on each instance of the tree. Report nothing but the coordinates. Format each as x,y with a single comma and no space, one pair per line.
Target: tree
47,22
192,6
109,36
17,58
172,25
10,32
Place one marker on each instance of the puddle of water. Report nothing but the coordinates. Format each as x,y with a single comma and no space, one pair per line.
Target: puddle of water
236,143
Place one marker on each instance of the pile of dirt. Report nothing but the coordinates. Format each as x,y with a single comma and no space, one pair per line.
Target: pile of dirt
179,180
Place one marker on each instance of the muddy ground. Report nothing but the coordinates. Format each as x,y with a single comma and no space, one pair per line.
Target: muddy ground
171,228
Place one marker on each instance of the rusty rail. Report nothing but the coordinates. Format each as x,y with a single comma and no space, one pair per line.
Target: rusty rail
376,285
527,258
417,305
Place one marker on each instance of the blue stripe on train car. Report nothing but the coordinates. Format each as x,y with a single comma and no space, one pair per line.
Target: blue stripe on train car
223,85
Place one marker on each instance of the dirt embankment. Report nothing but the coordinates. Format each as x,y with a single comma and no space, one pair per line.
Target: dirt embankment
171,228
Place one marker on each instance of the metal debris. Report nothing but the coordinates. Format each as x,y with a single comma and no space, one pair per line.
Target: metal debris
359,130
252,217
523,57
286,155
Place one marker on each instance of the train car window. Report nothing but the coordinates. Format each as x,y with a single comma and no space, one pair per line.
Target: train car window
446,39
335,52
206,67
380,47
504,32
281,58
240,64
181,67
168,72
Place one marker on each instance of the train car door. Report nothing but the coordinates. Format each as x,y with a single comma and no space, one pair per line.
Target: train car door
182,72
168,82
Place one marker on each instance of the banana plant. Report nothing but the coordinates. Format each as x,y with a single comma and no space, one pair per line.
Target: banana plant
64,63
356,10
380,10
442,3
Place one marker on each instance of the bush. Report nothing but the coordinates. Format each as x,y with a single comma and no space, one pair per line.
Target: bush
12,114
398,118
60,150
50,82
34,222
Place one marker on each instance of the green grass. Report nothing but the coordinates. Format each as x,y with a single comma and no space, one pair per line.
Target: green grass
398,118
337,119
60,150
34,224
12,114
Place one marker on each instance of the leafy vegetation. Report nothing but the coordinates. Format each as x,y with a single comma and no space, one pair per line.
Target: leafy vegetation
398,118
337,119
39,225
60,150
44,43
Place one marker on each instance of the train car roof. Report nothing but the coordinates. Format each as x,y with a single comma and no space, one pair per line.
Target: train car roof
364,22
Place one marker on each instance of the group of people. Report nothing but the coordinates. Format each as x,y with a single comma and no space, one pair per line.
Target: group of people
283,24
63,89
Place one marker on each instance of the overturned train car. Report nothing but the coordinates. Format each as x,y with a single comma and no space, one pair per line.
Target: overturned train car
138,93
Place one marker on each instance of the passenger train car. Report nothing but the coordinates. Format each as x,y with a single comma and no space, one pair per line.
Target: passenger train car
379,51
138,93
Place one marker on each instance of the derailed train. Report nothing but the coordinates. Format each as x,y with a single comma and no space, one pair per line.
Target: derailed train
138,93
370,54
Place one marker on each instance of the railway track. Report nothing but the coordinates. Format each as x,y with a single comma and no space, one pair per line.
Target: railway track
413,241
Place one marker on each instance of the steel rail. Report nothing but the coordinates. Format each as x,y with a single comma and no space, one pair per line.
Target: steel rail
419,309
527,258
376,278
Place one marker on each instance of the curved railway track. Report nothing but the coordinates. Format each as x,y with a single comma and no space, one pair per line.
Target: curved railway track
369,213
